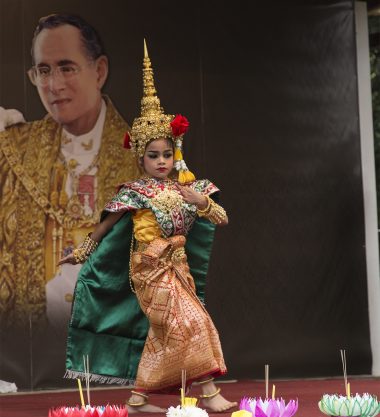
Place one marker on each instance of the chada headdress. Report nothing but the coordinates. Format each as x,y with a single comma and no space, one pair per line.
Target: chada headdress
153,123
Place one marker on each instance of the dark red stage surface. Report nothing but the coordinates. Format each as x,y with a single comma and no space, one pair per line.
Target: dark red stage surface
307,391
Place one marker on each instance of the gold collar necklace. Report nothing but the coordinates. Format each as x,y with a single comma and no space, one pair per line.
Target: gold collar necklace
167,196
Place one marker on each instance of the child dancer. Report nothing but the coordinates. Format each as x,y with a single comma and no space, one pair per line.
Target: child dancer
164,221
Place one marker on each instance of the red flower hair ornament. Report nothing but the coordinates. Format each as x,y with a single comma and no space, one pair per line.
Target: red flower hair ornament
179,125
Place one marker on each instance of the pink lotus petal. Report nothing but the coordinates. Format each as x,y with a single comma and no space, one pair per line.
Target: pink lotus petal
245,404
281,405
262,404
112,411
291,408
108,412
124,412
273,409
259,412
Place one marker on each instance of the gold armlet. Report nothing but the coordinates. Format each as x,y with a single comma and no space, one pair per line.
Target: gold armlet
213,212
82,253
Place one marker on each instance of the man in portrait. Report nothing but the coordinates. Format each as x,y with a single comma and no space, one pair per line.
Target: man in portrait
57,173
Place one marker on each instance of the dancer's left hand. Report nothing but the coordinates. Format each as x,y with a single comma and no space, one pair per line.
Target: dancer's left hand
193,197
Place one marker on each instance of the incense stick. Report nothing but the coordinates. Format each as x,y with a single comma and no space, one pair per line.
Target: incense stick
86,367
344,363
183,388
266,380
88,381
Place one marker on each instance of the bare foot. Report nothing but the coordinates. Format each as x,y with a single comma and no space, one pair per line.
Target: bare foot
218,404
146,408
213,400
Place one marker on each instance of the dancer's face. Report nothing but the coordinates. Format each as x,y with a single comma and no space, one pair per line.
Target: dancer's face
158,159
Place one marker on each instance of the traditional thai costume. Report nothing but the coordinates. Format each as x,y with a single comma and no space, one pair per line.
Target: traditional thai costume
138,310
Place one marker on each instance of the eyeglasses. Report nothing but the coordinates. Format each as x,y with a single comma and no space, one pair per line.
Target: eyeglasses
40,75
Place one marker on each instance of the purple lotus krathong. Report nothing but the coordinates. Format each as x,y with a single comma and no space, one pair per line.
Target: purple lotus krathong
269,407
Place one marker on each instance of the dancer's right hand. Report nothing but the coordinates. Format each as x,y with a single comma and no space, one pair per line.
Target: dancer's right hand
69,259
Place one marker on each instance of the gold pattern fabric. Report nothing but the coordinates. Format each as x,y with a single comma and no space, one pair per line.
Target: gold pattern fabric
28,153
181,334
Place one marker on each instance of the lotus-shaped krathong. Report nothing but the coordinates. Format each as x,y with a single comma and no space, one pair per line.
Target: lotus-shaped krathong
188,411
269,407
365,405
88,411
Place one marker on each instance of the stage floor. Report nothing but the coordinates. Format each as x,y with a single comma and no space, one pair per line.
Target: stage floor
307,391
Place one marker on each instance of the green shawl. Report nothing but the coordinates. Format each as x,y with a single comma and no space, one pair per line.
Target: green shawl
107,323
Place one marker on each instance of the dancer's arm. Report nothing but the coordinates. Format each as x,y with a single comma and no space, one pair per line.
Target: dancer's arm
102,228
92,240
206,206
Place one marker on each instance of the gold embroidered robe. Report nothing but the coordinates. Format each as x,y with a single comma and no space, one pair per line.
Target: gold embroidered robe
28,153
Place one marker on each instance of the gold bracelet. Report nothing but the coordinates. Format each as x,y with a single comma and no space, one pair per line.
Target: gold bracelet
213,212
217,214
89,244
203,212
82,253
79,256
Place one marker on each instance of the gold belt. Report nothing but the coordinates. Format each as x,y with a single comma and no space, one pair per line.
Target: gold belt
174,254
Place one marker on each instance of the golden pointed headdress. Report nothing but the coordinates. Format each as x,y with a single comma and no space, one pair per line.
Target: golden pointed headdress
153,123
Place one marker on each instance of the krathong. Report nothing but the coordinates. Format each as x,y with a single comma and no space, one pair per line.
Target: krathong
88,411
269,407
348,405
365,405
186,411
188,407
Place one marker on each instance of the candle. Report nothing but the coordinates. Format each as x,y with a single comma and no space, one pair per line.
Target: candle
80,392
182,397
